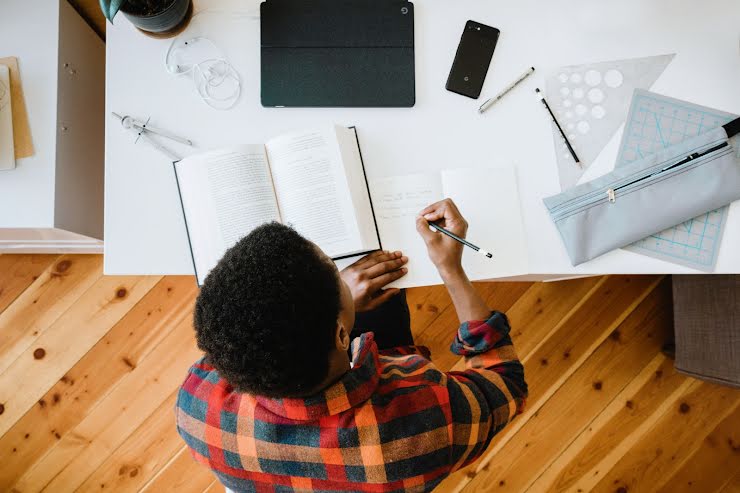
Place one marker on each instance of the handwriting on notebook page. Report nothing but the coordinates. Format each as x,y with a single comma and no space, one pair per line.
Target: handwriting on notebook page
401,204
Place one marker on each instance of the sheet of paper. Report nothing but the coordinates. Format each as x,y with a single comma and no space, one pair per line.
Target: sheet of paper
489,201
487,198
21,128
397,202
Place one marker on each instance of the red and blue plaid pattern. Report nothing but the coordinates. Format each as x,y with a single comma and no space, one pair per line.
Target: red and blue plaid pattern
393,423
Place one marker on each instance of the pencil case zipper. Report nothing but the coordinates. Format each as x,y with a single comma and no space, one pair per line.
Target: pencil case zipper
610,193
581,200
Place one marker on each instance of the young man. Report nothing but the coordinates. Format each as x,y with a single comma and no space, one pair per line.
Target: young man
277,404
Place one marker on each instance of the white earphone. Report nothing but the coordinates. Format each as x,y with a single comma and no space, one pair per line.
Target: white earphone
215,78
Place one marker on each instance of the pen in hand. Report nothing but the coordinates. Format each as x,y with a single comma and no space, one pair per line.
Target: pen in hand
461,240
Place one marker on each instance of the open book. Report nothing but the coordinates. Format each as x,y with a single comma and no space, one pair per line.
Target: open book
313,180
488,198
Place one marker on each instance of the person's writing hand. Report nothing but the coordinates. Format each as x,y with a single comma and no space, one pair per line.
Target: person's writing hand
368,276
444,252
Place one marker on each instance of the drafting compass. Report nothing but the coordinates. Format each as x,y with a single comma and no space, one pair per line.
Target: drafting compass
143,131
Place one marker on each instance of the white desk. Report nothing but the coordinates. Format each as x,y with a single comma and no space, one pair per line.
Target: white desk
144,230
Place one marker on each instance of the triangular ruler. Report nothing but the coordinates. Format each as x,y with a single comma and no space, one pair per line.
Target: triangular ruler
591,101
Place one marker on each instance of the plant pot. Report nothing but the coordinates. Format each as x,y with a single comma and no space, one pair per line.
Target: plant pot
167,22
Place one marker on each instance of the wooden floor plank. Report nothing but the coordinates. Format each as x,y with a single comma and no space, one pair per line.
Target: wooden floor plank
180,475
544,307
627,418
17,272
95,375
655,458
541,310
50,295
66,341
714,463
502,296
555,360
83,448
593,385
140,456
733,485
425,305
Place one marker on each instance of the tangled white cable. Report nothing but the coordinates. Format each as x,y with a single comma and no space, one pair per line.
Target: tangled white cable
217,82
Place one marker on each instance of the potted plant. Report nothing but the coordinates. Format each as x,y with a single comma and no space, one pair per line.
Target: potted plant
157,18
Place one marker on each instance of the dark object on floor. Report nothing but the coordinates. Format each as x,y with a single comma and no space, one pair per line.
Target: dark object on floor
706,313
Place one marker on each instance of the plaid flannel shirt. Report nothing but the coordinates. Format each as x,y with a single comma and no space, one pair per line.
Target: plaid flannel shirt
393,423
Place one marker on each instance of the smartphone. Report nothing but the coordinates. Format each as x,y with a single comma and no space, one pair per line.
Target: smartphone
472,59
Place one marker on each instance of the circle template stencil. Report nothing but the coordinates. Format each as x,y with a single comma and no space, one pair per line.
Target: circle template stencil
595,95
592,78
590,101
613,78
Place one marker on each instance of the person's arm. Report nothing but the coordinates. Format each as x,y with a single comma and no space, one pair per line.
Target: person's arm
492,389
446,254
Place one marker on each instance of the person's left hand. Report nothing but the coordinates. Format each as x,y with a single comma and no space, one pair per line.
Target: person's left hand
367,277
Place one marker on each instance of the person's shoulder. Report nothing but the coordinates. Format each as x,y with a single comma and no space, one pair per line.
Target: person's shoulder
196,394
201,371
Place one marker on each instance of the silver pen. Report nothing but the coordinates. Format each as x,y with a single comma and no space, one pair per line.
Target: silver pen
490,102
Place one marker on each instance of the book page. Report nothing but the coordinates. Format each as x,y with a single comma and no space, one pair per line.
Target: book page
398,200
225,195
488,198
312,190
349,149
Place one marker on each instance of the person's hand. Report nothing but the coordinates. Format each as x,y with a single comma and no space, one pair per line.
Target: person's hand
444,252
368,276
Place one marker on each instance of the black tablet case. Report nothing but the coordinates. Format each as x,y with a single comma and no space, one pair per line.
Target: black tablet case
331,53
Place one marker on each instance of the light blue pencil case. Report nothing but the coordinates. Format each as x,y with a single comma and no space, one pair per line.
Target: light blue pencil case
649,195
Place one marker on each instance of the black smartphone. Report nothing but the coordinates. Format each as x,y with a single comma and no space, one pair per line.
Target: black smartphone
472,59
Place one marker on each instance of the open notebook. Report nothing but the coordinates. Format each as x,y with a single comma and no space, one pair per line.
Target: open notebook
488,198
313,180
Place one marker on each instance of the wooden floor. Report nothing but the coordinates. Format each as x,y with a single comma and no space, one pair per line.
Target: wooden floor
89,367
